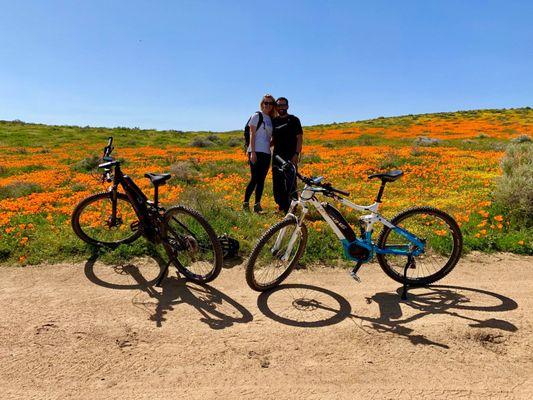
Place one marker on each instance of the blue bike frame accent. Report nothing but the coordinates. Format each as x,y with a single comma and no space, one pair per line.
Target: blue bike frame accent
399,250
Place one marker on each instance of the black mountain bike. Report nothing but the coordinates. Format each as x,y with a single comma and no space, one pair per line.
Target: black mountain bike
112,218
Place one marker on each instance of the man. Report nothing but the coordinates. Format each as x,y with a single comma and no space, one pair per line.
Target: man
287,138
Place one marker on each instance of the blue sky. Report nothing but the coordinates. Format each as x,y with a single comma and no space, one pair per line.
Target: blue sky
204,65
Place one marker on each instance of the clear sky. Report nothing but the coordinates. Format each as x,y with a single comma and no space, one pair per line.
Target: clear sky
204,65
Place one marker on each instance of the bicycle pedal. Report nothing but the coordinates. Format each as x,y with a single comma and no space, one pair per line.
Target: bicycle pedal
355,277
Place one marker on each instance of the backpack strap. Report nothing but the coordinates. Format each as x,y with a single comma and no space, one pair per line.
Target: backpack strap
260,114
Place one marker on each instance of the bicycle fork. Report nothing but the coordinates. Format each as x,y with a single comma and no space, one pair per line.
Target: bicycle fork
292,240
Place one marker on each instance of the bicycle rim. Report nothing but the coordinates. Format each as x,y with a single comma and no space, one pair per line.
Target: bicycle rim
276,253
192,244
443,245
94,223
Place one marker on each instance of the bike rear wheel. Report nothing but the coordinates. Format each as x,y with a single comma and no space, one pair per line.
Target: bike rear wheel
191,244
93,221
443,246
274,256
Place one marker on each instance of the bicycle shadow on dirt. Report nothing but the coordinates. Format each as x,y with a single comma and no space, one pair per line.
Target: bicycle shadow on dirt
434,300
305,306
310,306
217,309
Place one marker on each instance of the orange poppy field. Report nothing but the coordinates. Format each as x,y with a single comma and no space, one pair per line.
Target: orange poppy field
450,160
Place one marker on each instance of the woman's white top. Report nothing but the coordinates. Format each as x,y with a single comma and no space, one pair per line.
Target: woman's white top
262,135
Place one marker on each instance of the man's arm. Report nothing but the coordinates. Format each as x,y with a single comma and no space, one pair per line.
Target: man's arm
299,142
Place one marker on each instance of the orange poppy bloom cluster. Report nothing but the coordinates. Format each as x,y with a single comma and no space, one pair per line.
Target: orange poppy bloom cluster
457,175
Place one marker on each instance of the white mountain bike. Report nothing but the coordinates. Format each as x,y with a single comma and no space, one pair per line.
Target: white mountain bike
417,247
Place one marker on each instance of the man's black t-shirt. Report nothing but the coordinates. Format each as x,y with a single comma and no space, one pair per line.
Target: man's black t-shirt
285,134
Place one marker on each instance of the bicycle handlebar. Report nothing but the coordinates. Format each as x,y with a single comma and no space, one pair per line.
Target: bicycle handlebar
309,181
109,162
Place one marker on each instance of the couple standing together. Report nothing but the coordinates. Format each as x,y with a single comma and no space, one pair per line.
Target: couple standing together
272,127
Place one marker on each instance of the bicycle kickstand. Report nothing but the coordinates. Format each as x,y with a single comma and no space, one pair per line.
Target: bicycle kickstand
162,275
353,273
407,265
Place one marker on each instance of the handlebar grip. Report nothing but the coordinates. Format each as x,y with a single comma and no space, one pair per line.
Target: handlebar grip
280,160
110,141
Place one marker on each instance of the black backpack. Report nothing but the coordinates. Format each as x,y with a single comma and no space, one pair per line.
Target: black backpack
247,128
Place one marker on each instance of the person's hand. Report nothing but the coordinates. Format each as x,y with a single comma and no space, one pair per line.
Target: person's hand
295,158
253,157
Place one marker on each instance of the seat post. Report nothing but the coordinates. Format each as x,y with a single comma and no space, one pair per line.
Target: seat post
156,195
380,193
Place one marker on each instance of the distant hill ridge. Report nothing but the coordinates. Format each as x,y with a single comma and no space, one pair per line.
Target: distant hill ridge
523,112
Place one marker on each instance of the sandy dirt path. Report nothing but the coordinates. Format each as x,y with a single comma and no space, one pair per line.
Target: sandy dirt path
90,331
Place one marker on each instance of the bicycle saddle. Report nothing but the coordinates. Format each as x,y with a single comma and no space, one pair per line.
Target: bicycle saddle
158,179
390,176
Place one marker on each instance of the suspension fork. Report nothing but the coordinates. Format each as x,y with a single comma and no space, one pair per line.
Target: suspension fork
114,201
114,194
295,234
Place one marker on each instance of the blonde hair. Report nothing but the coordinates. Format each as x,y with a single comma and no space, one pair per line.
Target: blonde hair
274,111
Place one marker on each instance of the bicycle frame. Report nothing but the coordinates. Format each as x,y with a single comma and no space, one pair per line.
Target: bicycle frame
415,248
139,202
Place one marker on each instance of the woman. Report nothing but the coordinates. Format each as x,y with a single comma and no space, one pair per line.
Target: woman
259,151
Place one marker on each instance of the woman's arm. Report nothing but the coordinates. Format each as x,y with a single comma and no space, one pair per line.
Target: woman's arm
253,156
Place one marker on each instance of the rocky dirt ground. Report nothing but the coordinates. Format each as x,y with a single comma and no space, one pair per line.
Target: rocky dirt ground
91,331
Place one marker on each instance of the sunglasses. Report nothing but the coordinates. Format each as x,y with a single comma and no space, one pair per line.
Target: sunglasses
268,103
282,105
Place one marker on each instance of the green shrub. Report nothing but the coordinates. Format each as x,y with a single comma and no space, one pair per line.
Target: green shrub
235,142
77,187
310,158
416,151
514,189
391,160
213,138
87,164
184,171
366,139
521,139
201,142
19,189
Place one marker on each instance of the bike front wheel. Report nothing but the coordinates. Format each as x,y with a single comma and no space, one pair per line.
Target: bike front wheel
94,221
443,246
276,254
191,244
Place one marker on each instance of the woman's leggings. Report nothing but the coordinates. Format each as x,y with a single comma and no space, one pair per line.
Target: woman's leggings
258,172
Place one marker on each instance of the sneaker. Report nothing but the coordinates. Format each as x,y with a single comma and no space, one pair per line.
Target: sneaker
257,208
246,206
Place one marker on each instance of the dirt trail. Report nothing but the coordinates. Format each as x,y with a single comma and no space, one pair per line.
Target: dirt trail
90,331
